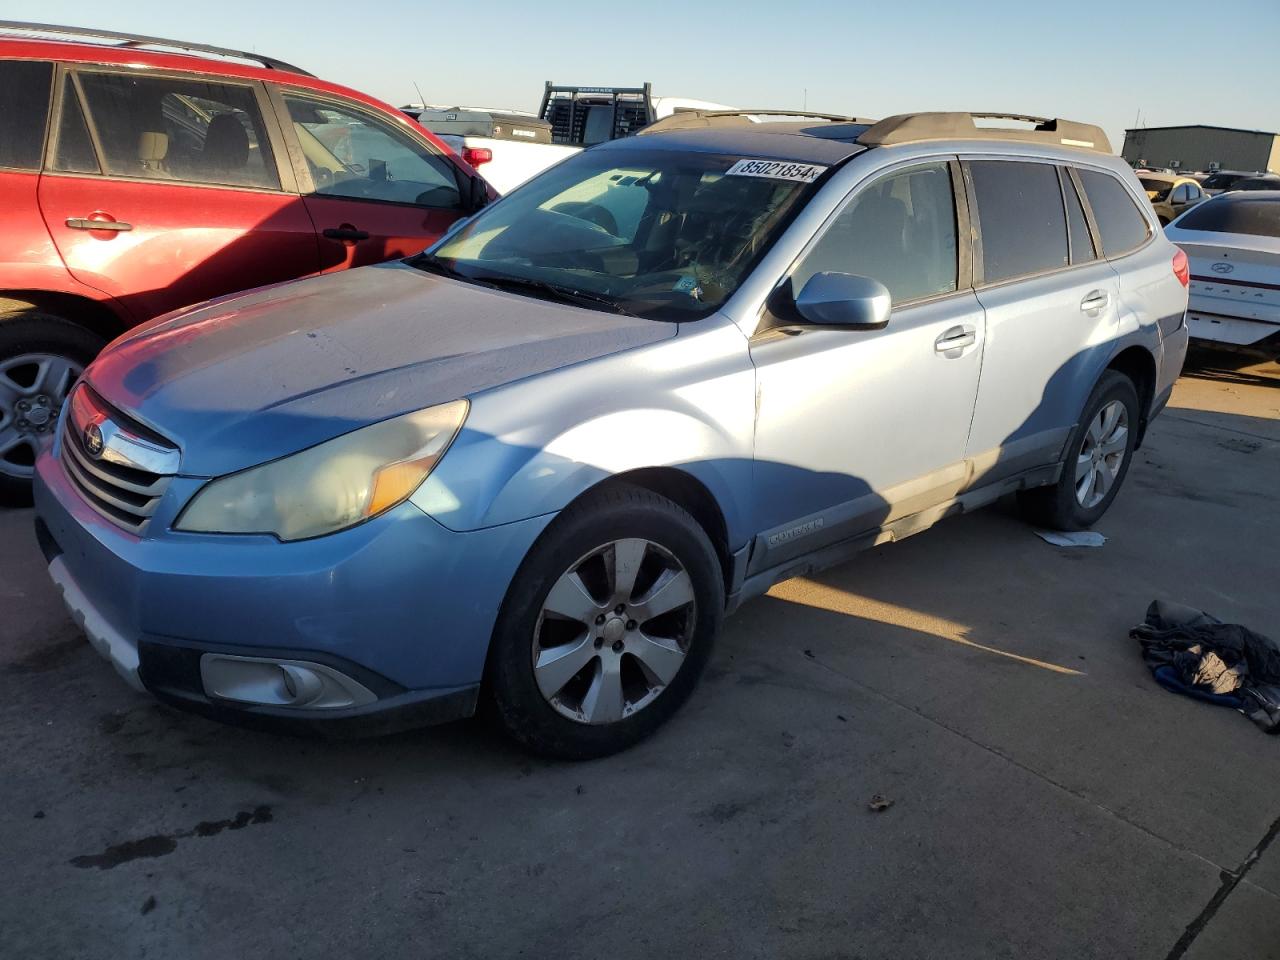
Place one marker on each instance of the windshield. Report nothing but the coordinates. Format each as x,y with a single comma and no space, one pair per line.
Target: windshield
659,234
1156,189
1220,181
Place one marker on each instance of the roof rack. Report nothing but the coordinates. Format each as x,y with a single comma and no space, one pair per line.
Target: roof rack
914,127
136,40
694,118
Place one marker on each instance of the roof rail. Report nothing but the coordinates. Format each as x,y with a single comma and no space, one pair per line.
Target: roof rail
136,40
694,118
913,127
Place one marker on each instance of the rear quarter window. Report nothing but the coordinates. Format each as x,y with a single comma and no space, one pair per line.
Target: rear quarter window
1256,218
1121,225
24,112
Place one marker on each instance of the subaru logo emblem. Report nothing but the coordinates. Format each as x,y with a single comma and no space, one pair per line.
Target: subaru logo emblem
93,440
1222,268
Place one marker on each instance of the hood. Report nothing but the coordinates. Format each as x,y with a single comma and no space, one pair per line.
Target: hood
241,381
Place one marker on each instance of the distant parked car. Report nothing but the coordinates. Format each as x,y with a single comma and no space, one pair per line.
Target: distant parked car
1216,183
134,182
1266,181
1233,245
1171,194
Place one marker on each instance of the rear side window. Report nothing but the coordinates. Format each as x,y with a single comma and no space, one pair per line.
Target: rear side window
1020,216
901,230
159,128
24,112
1255,218
1121,226
1077,227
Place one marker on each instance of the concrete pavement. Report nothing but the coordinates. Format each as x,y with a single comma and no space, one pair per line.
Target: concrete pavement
1049,800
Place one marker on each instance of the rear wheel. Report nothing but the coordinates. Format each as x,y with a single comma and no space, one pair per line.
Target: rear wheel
40,358
606,626
1101,449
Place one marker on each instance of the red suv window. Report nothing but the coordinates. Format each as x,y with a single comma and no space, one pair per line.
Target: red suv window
24,112
162,128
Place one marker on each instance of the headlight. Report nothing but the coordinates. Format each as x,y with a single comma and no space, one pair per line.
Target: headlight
332,485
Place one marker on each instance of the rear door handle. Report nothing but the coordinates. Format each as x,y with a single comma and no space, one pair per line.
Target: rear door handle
84,223
345,233
1094,300
956,338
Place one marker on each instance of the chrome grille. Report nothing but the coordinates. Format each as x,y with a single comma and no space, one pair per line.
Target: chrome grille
126,495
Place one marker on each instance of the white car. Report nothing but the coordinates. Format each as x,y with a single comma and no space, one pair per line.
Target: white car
509,147
1233,244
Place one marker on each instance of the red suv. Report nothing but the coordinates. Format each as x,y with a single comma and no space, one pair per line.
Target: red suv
134,182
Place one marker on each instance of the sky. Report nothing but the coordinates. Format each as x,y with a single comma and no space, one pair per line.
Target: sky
1117,64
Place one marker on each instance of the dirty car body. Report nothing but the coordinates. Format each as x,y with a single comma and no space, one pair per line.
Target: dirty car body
742,371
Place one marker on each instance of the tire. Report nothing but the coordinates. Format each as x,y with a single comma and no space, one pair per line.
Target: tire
556,724
40,357
1061,506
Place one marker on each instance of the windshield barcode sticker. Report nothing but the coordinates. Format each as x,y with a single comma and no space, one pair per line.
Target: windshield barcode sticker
776,170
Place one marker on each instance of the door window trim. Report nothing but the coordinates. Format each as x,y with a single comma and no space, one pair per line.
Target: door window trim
964,246
48,115
1065,180
69,73
1144,208
276,93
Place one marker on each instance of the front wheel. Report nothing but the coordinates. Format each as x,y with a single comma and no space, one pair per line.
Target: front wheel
40,358
606,626
1100,451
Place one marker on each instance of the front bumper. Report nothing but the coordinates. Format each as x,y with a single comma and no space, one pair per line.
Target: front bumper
400,604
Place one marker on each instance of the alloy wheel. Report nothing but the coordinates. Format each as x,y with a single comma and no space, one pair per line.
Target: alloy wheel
613,631
1102,453
32,389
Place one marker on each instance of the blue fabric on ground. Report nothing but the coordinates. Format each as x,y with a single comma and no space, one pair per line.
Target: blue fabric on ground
1168,678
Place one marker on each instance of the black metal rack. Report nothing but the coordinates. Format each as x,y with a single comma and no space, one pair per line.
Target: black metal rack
567,109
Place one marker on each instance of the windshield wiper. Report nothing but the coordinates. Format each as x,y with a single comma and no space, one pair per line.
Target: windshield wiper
432,263
580,298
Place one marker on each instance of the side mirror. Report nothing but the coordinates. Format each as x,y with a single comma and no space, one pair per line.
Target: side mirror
478,196
844,300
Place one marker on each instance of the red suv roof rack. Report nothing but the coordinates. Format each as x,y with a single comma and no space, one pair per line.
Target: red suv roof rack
137,40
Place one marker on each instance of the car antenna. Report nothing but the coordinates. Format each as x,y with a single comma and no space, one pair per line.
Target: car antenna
421,99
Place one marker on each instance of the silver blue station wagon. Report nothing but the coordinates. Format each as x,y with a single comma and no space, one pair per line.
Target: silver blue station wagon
534,467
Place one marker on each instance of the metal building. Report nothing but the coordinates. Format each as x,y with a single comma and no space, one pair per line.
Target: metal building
1198,147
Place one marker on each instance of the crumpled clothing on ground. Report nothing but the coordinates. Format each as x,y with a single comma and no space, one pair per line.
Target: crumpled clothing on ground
1215,661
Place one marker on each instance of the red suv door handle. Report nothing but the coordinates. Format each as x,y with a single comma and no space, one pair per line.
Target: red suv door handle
345,233
87,223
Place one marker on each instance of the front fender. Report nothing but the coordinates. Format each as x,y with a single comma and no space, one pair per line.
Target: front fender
532,447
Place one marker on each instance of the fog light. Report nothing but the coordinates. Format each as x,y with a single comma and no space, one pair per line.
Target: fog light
280,683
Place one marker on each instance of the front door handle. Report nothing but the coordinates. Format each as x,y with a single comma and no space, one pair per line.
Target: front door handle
955,339
345,233
1094,300
87,223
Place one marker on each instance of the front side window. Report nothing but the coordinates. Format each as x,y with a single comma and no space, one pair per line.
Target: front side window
1022,222
352,154
24,112
195,131
656,233
1121,226
901,230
